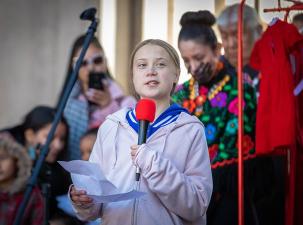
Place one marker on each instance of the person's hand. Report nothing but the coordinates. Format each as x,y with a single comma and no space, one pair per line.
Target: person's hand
203,74
133,151
100,98
80,198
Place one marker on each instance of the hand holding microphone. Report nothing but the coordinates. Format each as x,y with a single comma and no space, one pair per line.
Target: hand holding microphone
145,114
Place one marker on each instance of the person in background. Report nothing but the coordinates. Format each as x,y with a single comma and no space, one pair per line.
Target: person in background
15,169
269,184
297,20
32,134
211,95
87,143
94,96
174,163
86,146
252,30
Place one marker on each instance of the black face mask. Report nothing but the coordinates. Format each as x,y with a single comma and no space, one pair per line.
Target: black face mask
203,74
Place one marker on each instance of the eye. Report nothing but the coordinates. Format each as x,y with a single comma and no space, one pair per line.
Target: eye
186,63
199,57
98,60
141,65
160,64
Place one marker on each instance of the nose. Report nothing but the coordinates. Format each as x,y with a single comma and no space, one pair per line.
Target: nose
91,67
231,41
152,71
193,67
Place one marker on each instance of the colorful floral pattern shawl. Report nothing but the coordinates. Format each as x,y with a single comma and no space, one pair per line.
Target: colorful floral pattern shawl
220,116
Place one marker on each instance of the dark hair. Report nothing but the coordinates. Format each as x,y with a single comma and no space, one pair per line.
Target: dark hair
36,119
298,17
197,26
78,43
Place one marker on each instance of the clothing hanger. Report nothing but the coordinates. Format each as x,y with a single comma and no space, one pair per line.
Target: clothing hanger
297,5
298,88
273,21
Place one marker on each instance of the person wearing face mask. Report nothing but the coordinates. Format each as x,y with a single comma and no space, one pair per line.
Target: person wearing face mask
32,134
94,96
211,94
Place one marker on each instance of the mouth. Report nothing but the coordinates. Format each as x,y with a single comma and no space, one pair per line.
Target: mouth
152,83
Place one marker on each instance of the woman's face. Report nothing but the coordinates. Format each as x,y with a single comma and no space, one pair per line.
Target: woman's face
200,60
57,145
154,73
94,61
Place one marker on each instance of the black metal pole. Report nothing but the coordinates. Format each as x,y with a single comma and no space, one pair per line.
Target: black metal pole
46,192
88,14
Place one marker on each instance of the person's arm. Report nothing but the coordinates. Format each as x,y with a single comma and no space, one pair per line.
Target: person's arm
250,110
186,193
84,206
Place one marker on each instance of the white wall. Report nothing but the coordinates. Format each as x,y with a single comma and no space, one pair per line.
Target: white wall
107,31
35,42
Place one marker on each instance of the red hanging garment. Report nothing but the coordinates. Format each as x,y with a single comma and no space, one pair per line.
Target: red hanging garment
276,113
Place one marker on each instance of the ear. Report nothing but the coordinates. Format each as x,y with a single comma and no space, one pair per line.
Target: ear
29,135
177,76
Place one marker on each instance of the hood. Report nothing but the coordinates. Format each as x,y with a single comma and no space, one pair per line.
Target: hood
24,163
169,116
183,119
119,119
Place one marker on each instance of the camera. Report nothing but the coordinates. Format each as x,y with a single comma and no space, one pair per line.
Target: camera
95,80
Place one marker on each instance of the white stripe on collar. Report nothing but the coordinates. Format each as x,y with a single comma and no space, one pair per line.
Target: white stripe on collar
131,116
162,121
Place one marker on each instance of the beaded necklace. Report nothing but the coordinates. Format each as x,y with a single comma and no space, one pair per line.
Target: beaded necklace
199,95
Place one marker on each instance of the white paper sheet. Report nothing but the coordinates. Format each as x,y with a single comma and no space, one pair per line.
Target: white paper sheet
89,177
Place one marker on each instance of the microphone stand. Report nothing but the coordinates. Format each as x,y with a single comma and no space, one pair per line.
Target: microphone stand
88,14
46,192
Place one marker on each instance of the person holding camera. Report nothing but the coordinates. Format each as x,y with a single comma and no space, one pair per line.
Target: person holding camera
94,96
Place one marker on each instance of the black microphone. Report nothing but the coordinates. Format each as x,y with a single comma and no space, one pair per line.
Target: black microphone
145,114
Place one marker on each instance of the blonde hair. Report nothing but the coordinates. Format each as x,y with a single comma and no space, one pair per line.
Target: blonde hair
157,42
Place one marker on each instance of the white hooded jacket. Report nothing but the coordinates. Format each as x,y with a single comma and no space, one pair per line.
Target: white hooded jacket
175,173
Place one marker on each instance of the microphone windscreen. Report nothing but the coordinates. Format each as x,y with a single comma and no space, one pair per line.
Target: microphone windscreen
146,110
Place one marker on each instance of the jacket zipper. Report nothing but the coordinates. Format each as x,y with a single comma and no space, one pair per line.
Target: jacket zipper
135,205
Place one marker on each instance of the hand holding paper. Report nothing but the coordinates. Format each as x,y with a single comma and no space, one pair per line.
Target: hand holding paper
89,177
